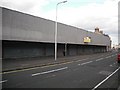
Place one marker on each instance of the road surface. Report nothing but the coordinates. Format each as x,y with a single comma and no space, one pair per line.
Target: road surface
101,71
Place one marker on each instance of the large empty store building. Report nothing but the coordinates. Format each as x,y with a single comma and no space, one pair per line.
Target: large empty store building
24,35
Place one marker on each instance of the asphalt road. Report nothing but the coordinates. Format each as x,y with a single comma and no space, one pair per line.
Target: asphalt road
101,71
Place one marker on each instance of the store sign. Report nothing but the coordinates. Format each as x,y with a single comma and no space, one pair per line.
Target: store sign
87,39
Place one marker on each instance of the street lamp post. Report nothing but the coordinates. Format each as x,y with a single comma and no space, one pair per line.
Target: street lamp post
56,29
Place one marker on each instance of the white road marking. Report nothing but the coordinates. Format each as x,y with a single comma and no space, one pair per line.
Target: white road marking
105,79
113,55
86,62
110,65
51,71
82,59
99,59
108,57
3,81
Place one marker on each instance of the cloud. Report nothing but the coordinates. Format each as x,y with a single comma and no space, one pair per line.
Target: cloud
104,16
33,7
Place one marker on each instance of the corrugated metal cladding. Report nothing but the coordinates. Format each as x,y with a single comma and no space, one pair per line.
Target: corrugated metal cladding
25,35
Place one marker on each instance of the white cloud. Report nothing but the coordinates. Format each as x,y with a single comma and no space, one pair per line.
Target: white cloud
33,7
104,16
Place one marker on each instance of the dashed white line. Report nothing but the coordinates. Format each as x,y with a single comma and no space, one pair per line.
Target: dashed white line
108,57
99,59
110,65
105,79
82,59
86,63
113,55
51,71
3,81
79,64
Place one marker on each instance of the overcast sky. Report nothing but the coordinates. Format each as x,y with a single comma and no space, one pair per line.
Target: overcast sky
85,14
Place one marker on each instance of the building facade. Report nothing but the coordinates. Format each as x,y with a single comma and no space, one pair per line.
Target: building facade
24,35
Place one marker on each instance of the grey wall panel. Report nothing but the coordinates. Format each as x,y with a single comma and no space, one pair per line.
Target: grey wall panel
24,27
0,36
49,49
98,39
61,49
79,50
0,45
20,26
72,50
69,34
0,23
22,49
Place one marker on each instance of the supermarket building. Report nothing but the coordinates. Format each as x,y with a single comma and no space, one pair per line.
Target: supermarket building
24,35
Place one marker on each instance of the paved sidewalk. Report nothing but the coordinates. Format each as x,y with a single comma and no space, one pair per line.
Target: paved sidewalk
17,64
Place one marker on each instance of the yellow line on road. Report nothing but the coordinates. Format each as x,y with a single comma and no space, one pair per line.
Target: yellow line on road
36,67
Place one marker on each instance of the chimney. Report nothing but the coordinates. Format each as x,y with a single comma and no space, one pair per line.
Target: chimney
101,32
97,30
